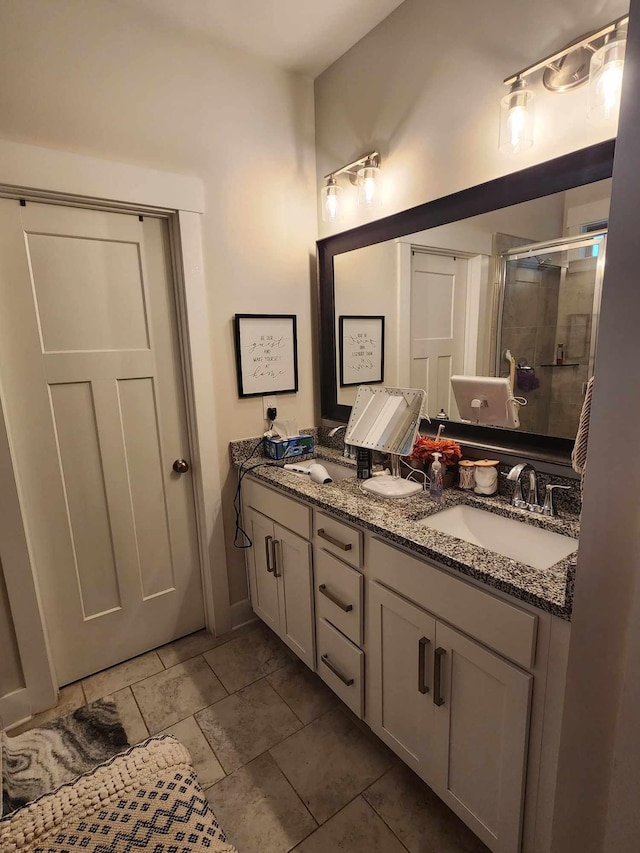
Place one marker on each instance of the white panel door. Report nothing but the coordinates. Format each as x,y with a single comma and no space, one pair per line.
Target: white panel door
481,736
91,373
438,305
400,707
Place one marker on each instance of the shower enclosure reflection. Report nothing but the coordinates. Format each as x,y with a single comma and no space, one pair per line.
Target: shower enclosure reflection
548,321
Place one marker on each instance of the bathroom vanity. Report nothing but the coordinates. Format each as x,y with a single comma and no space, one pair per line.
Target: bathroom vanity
454,655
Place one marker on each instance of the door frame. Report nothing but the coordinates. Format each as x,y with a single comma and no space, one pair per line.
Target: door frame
42,174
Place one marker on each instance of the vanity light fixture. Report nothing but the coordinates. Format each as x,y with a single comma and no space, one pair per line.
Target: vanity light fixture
605,76
597,57
516,118
362,173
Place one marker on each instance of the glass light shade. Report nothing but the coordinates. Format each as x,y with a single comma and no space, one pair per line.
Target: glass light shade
367,181
516,119
331,206
605,79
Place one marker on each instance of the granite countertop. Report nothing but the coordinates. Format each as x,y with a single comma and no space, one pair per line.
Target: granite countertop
395,520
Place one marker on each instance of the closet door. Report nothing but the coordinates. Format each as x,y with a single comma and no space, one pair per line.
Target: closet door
92,382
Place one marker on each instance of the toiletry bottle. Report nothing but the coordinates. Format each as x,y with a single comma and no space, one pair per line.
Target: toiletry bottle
364,462
435,489
560,354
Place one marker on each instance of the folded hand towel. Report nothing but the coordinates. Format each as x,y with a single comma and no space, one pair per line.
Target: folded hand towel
579,453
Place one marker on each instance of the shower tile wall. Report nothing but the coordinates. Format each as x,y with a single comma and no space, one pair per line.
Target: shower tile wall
575,315
529,331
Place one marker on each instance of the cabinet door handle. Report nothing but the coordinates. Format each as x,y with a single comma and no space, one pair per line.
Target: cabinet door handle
437,675
346,681
342,545
267,550
274,558
346,607
423,642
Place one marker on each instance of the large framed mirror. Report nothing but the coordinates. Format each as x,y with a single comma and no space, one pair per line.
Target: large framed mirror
502,279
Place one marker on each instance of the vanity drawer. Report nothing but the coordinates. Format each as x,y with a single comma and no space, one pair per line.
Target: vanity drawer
339,595
497,624
338,538
286,511
341,666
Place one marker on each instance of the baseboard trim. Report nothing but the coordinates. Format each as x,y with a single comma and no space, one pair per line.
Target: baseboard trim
242,614
15,708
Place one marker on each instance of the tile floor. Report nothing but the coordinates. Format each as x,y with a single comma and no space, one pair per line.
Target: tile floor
285,766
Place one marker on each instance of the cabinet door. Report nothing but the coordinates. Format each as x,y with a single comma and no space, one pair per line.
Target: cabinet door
262,579
400,709
295,591
481,733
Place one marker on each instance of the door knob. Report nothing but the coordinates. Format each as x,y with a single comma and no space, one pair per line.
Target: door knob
181,466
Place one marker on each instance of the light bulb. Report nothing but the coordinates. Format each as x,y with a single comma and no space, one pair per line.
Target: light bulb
605,78
516,123
367,186
331,207
516,119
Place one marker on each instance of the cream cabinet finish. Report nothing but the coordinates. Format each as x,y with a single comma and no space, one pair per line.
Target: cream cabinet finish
455,712
481,727
400,677
489,749
339,595
281,583
341,666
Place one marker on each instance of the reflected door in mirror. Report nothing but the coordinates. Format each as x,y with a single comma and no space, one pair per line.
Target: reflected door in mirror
438,310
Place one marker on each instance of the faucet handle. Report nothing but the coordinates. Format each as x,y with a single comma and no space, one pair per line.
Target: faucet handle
548,508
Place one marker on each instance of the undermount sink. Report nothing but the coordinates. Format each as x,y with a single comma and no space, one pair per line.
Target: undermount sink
337,471
518,540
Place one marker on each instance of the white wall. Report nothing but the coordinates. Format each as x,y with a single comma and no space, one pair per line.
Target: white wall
366,282
424,88
93,77
597,795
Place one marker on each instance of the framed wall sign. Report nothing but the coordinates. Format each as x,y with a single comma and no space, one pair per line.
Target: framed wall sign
361,350
266,354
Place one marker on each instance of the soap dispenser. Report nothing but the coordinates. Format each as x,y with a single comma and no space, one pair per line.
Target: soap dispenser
435,488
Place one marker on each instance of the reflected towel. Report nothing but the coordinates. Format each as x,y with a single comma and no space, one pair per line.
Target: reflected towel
579,453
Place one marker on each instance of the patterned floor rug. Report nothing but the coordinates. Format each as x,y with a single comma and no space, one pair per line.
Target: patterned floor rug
42,759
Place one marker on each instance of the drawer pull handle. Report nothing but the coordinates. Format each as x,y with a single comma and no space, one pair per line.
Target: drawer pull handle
333,541
422,663
267,549
437,675
346,607
346,681
274,556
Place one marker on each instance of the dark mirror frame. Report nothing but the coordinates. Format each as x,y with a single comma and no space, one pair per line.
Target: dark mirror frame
585,166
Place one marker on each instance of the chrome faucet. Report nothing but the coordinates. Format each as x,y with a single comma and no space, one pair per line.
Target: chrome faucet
348,452
531,502
515,474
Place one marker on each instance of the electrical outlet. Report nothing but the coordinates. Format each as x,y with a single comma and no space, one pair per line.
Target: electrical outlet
268,403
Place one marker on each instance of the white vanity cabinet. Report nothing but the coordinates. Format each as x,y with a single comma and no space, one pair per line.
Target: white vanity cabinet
280,570
464,683
453,711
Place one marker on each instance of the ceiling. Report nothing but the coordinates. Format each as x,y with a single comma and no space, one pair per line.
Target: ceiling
298,35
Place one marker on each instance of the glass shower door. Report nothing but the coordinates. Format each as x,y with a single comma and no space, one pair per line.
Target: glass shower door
548,322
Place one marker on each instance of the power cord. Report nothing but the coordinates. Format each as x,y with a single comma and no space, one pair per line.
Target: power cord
242,473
